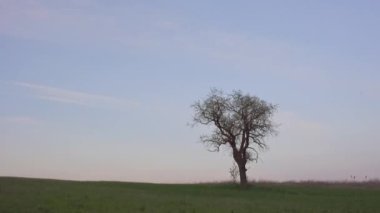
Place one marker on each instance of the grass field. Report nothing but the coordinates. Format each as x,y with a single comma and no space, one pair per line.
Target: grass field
39,195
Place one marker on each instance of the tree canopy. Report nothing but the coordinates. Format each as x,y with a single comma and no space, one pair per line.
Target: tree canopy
240,121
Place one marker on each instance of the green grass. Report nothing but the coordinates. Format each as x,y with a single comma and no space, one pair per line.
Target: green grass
38,195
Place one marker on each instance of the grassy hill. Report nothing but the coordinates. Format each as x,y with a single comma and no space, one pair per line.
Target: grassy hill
40,195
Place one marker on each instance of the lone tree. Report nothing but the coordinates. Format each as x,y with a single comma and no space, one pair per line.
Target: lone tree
241,122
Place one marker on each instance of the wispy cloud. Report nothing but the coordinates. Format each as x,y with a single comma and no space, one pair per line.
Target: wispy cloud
75,23
60,95
163,33
19,120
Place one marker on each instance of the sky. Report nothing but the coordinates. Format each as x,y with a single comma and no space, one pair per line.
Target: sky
101,90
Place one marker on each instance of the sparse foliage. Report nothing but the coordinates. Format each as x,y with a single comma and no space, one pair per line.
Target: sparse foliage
241,122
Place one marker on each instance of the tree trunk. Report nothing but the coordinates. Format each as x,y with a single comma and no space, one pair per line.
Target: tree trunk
243,174
241,164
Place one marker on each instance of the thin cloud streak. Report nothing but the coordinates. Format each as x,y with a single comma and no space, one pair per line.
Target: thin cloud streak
19,120
60,95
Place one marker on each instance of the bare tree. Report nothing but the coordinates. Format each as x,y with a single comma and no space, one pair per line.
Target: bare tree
241,123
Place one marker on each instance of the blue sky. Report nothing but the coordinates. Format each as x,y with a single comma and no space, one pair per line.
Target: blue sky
101,90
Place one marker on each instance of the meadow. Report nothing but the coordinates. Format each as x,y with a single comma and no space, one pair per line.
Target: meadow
42,195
